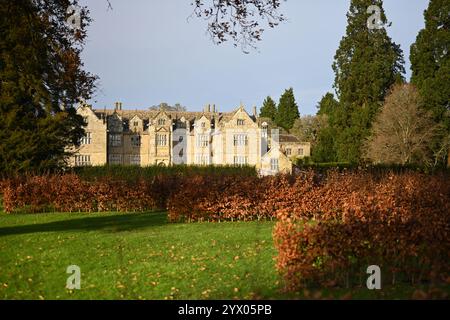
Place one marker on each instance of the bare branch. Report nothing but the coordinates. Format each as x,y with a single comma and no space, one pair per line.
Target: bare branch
238,20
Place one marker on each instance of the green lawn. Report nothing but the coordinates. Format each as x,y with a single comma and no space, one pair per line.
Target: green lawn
134,256
141,256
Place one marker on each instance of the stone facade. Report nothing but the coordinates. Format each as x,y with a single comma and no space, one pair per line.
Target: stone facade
116,136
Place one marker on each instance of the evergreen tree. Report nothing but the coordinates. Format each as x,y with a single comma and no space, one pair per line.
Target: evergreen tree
41,82
268,109
327,105
430,65
287,110
324,149
366,65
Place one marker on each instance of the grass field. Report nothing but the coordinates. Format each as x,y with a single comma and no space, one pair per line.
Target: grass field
141,256
134,256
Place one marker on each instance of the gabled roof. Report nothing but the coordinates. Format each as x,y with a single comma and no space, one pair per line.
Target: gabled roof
88,108
146,115
151,114
134,117
273,152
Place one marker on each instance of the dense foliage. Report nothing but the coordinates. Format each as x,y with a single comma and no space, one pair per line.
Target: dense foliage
42,78
325,148
367,63
132,173
340,226
107,188
268,109
287,111
430,65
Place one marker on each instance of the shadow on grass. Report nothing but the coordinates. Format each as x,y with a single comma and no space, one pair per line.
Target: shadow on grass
115,223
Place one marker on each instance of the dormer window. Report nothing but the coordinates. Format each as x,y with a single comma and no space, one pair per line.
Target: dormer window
161,122
203,124
136,123
240,122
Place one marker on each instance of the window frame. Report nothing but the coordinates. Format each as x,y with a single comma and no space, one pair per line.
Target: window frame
136,140
133,160
274,164
115,140
86,139
240,160
161,140
202,140
115,159
82,160
240,140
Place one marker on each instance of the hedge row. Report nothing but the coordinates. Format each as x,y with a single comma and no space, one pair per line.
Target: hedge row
132,173
399,222
69,193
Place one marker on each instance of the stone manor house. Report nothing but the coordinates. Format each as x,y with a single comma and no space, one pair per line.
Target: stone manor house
162,137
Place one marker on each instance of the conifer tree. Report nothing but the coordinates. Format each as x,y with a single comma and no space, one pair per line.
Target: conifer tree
287,110
268,109
42,79
430,65
324,149
367,63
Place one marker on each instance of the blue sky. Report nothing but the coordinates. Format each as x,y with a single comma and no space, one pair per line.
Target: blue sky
146,52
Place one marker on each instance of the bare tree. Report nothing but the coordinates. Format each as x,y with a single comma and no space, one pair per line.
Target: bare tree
238,20
441,150
307,128
165,106
402,132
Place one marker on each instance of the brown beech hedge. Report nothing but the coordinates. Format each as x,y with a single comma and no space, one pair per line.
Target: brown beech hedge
69,193
339,227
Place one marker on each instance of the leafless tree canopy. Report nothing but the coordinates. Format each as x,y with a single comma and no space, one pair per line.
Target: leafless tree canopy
238,20
308,127
402,132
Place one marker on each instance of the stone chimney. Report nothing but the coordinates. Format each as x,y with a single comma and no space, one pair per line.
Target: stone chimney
209,108
118,106
214,108
255,112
